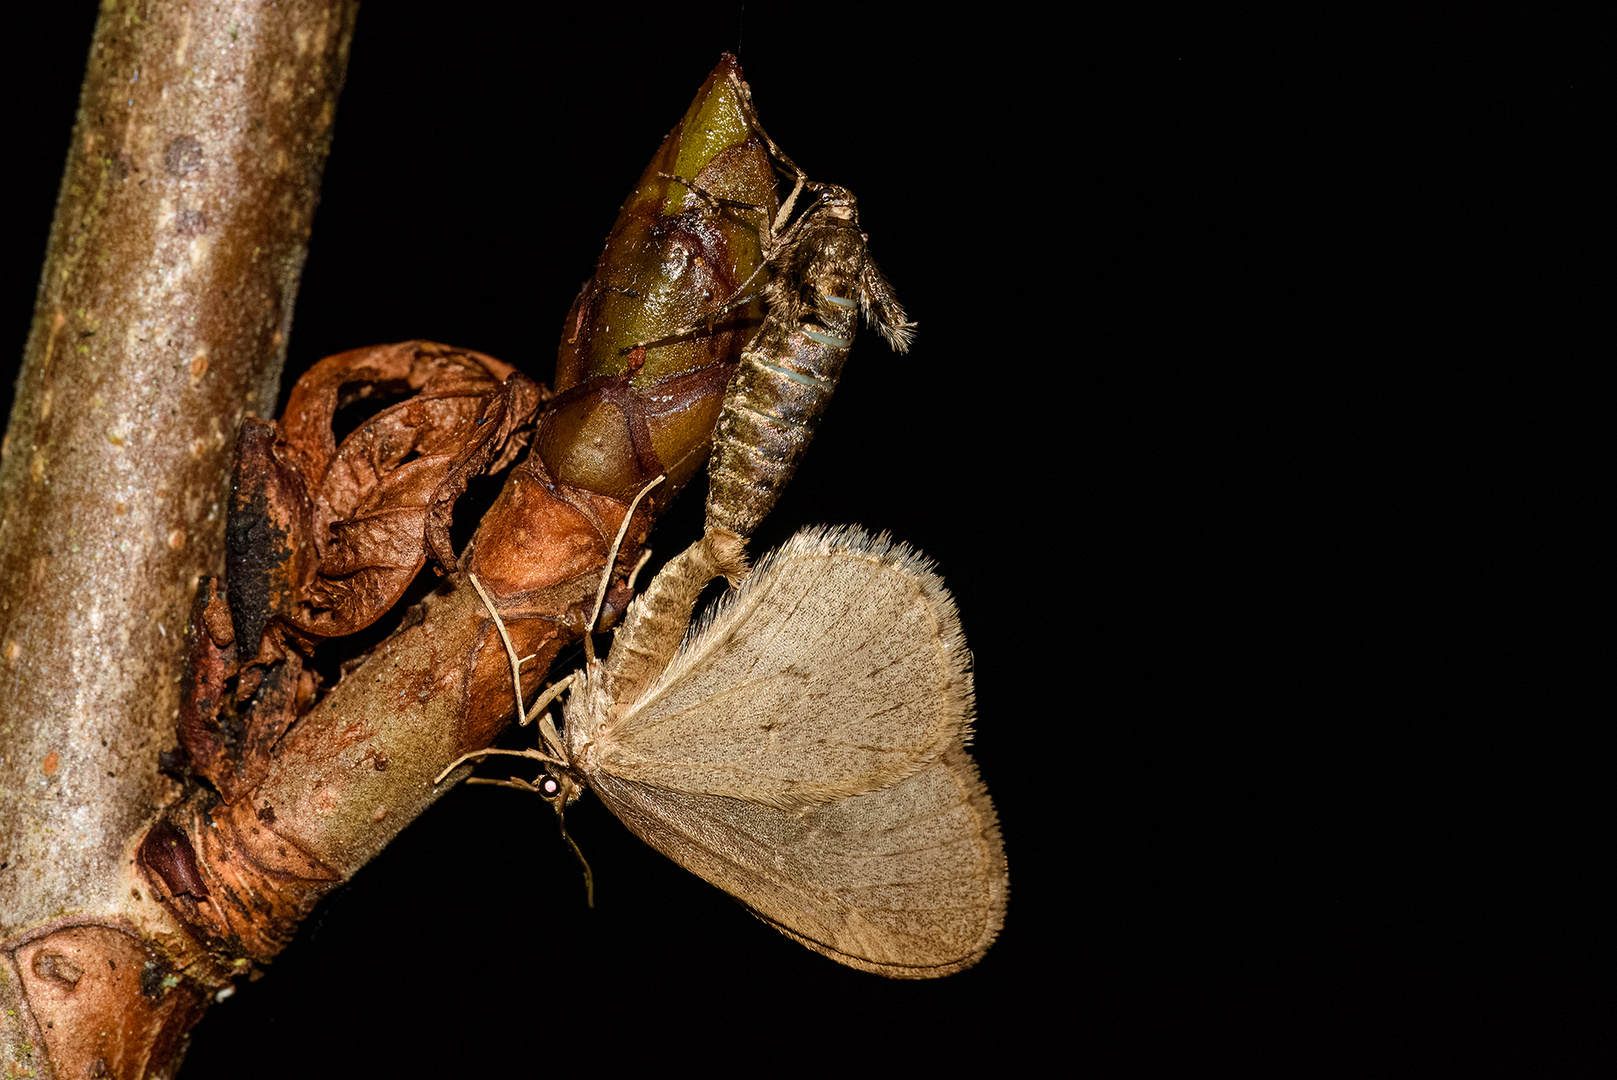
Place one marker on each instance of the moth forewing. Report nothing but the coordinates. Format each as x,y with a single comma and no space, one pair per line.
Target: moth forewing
906,881
836,669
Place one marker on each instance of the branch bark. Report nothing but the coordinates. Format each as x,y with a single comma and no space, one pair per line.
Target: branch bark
161,322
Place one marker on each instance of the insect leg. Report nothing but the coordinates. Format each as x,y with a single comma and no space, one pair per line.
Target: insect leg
479,755
611,560
653,627
515,782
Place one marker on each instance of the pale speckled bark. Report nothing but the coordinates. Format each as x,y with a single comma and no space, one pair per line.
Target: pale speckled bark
161,321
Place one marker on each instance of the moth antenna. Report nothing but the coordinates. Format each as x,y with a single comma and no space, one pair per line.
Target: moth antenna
606,574
714,202
589,875
739,297
744,94
772,238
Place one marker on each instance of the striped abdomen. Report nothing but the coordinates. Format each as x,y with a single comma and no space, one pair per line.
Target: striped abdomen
820,278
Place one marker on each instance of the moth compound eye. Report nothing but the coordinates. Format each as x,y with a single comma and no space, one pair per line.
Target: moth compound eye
549,787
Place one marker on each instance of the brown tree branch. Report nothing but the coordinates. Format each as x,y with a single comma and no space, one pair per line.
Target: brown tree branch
160,323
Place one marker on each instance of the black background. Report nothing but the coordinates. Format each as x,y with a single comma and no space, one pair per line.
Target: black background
1236,345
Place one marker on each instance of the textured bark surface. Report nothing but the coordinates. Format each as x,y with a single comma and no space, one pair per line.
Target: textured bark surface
160,324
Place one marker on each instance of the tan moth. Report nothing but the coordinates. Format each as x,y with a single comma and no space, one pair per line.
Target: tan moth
801,747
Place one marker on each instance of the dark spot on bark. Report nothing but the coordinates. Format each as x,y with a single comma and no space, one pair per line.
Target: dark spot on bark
99,1068
266,814
167,852
183,155
120,167
151,981
189,222
55,966
381,761
257,548
174,763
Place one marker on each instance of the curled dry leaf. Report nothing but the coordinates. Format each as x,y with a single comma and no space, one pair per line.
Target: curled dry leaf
323,539
374,507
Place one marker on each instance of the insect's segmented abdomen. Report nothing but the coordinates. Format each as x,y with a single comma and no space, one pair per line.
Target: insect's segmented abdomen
785,378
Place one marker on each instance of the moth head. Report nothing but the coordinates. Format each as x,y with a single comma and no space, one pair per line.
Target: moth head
559,787
836,202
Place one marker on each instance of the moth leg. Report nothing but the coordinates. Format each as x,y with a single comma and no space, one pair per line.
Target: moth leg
515,782
479,755
777,247
714,202
876,300
551,693
540,704
777,237
743,94
740,297
606,573
510,650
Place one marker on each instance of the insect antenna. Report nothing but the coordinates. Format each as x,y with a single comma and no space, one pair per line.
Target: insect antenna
589,875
